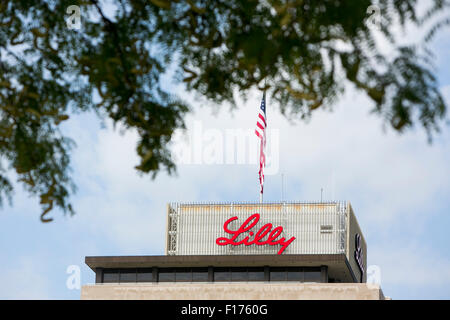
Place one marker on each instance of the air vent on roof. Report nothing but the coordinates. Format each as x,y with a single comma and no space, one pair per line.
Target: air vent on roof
326,228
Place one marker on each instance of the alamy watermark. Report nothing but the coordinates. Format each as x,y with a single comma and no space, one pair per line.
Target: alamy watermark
73,281
374,19
73,22
211,146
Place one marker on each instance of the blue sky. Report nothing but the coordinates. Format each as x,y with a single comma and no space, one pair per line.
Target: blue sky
398,185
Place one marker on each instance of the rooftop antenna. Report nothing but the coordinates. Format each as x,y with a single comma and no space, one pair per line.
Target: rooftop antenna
333,186
321,194
282,187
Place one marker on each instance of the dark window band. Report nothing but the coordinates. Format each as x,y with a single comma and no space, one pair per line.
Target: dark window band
220,274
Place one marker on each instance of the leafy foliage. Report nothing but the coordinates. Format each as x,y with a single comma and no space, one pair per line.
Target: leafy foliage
301,51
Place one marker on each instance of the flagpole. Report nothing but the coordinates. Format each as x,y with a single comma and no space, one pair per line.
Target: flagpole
265,102
261,124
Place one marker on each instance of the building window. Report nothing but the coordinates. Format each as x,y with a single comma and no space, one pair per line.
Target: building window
313,275
255,274
200,274
183,275
127,275
239,274
277,274
144,275
166,275
111,276
295,274
222,274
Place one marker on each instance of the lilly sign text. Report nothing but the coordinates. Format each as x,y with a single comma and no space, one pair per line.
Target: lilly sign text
257,237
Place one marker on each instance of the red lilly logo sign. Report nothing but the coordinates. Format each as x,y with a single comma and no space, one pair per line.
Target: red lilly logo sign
359,255
254,238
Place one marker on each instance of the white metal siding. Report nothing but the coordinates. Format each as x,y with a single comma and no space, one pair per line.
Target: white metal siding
194,228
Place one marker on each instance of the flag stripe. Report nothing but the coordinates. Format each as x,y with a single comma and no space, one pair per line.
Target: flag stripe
263,119
260,126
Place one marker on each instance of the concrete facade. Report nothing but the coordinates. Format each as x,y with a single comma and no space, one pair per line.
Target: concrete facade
233,291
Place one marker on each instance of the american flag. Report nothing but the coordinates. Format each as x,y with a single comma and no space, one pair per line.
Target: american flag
261,124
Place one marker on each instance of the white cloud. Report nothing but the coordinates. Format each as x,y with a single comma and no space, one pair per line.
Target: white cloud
25,281
412,265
